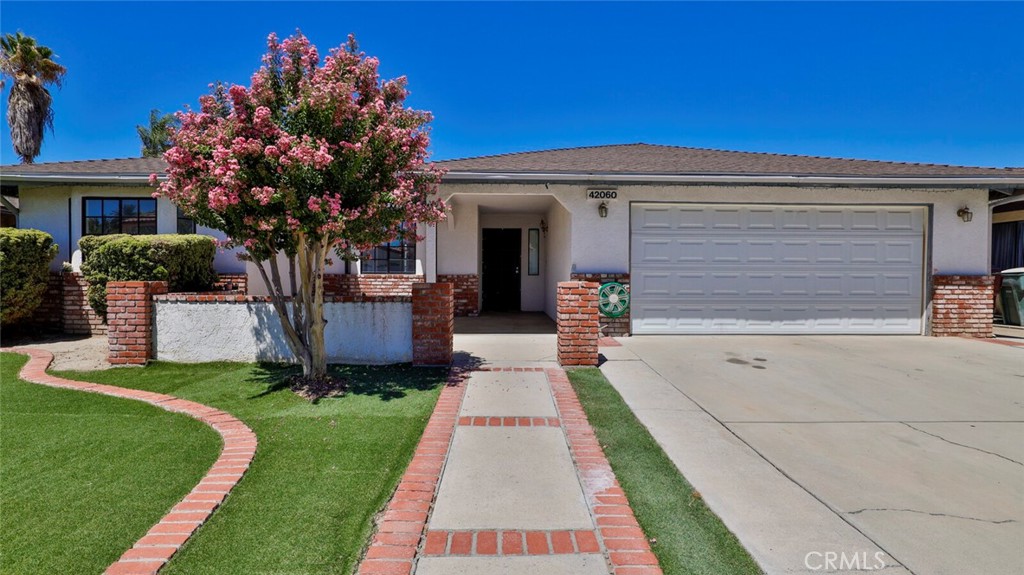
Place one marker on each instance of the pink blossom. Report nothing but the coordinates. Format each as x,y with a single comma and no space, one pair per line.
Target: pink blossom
262,184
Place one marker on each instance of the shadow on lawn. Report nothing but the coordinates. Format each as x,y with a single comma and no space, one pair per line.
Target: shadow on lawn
386,382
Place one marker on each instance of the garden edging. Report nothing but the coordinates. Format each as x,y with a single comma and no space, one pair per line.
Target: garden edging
150,553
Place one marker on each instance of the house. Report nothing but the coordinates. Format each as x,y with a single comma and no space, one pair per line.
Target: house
708,241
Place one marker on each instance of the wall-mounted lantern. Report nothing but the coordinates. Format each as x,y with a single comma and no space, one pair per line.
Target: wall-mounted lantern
602,209
965,214
544,227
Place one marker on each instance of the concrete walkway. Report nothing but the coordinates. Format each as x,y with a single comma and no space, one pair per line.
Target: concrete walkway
509,479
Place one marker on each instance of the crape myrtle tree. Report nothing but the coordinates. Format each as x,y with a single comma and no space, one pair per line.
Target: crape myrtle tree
314,157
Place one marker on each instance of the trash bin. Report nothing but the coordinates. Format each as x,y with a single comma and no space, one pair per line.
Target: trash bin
1010,299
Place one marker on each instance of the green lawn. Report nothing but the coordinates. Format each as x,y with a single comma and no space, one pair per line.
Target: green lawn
690,538
321,471
83,476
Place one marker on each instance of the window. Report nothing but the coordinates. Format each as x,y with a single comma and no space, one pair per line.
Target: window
533,260
395,257
119,216
186,225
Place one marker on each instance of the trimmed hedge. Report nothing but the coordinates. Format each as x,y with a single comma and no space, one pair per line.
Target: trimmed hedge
25,257
184,261
89,244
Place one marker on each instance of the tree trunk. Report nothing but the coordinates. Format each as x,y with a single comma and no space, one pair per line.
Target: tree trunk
303,321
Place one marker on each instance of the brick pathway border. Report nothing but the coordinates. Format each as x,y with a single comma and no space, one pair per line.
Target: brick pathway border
505,542
629,552
156,547
1009,342
401,531
401,527
503,421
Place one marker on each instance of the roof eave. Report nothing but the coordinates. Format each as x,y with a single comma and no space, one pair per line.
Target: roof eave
793,179
591,178
108,178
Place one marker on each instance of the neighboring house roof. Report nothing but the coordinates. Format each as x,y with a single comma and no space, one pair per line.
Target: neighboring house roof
120,168
594,163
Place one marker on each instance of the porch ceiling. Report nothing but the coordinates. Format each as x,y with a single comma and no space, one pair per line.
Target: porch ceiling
506,203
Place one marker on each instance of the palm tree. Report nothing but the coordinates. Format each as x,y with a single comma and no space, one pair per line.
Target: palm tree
32,68
156,139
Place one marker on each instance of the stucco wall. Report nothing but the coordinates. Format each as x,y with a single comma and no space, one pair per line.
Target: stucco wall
47,209
559,254
602,244
458,237
357,333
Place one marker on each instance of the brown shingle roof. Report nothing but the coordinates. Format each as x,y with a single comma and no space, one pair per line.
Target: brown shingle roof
651,159
120,166
644,159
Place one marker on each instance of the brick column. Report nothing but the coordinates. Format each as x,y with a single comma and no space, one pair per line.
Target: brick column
130,321
962,306
577,323
433,323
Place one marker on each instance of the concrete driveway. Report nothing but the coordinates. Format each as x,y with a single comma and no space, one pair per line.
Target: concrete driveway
893,454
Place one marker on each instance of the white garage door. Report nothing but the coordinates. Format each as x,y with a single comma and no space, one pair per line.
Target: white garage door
776,269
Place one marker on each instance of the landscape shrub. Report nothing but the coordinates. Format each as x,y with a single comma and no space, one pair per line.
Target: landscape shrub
89,244
184,261
25,257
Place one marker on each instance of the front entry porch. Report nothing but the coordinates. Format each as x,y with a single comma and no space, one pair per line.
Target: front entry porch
505,253
505,323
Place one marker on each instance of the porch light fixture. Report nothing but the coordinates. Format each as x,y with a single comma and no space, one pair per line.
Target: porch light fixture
602,209
965,214
544,227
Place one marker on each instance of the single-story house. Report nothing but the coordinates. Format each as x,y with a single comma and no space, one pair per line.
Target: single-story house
708,241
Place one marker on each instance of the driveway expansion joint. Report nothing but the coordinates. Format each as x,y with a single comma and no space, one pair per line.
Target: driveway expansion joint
151,552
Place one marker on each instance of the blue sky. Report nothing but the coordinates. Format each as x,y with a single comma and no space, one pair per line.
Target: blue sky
919,82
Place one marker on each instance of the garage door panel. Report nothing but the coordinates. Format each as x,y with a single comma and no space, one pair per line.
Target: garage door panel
793,318
780,269
651,286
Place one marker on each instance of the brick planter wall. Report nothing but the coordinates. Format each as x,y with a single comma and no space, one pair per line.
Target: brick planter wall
78,317
962,306
433,323
49,316
577,321
130,321
467,292
612,326
370,284
235,283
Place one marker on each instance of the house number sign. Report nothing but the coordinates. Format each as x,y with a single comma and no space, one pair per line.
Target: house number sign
602,194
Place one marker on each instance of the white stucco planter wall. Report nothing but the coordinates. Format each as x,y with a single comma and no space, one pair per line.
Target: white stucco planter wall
356,333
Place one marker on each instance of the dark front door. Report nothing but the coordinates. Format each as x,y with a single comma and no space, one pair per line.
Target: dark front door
501,252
